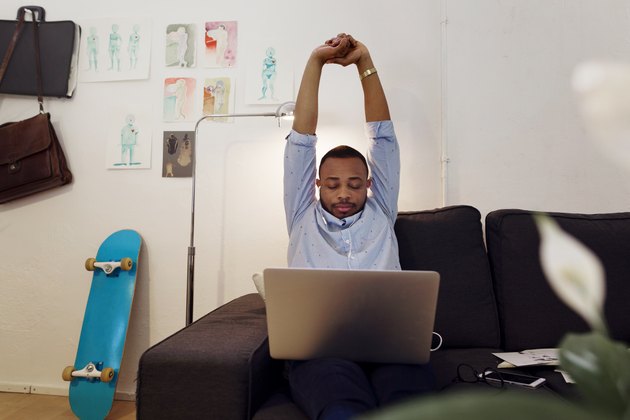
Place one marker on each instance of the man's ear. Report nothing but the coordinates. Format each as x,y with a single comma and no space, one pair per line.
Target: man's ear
318,183
368,183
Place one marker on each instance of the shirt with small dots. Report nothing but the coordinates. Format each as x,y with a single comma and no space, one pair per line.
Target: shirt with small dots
365,240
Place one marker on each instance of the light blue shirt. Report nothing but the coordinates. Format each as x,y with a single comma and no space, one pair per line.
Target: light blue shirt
365,240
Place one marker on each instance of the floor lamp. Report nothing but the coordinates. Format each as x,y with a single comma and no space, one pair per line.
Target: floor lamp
283,111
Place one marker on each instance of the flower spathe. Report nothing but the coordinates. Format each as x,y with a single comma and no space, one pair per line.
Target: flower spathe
603,93
574,272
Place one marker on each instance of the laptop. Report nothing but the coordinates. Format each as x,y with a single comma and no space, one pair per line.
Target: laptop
359,315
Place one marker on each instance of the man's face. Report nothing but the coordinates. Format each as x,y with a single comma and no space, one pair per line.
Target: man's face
343,186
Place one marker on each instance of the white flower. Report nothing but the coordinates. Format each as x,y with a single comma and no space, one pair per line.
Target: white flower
573,271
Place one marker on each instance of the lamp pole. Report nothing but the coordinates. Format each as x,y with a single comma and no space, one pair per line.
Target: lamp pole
284,110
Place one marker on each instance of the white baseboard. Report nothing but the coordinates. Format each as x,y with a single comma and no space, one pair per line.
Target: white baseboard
126,396
50,390
16,388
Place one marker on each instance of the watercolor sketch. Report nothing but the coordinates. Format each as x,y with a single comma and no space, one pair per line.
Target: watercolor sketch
177,155
269,77
218,96
180,45
129,141
179,95
220,44
115,49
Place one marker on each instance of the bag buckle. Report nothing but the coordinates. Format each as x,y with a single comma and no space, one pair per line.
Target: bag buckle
14,166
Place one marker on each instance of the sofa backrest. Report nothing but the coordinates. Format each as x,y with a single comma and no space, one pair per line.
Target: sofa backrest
450,241
530,314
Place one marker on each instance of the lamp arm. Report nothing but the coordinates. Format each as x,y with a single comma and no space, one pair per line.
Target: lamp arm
285,109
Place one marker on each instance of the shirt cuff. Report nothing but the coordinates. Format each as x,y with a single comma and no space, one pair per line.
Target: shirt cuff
379,129
302,139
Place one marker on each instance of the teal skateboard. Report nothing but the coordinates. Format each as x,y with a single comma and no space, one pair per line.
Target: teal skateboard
94,375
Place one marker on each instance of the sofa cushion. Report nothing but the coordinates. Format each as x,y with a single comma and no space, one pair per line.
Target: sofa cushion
217,367
531,315
450,241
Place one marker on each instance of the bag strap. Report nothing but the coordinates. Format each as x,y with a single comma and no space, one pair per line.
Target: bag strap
38,65
14,39
9,53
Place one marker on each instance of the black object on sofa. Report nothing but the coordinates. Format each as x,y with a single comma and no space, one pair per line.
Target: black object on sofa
219,367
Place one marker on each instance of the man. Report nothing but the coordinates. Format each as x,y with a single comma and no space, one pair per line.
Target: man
351,226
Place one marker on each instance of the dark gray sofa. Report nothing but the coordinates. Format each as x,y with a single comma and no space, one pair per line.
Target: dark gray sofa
493,297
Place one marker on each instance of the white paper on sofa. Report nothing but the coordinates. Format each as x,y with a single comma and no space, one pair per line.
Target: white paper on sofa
533,357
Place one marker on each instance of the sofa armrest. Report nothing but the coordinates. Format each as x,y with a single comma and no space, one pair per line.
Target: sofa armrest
217,367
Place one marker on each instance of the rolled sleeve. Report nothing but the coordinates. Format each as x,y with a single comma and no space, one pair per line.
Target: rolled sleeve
299,174
380,129
384,161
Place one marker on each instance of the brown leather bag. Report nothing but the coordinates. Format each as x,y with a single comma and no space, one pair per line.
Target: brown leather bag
31,157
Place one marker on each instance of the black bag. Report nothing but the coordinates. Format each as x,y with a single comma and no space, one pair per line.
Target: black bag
31,158
59,43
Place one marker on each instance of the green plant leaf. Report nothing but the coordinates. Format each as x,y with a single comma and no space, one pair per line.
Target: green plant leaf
513,405
600,368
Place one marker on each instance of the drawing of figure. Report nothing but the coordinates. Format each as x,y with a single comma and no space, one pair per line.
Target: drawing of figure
180,99
171,144
179,91
114,48
185,152
220,35
92,49
218,93
134,45
169,170
177,47
128,140
269,73
182,45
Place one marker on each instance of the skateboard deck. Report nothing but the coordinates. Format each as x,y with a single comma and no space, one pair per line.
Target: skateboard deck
94,376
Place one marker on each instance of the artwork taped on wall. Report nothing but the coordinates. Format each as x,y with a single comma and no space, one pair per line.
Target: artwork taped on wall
220,43
178,156
179,95
115,49
129,142
179,50
269,76
218,97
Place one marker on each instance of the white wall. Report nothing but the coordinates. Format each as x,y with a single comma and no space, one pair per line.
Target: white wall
515,138
504,109
45,239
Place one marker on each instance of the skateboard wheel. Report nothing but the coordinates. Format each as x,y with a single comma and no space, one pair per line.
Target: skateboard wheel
67,373
89,264
107,374
126,264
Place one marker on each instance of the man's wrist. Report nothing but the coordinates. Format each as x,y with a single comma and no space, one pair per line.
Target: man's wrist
365,63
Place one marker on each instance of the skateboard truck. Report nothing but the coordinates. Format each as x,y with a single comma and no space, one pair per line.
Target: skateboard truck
108,267
90,371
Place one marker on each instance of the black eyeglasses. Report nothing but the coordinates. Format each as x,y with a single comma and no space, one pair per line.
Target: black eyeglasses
468,374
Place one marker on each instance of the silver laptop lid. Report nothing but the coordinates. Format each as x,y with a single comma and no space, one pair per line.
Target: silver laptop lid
360,315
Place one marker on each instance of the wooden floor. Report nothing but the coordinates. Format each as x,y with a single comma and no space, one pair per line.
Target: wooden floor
49,407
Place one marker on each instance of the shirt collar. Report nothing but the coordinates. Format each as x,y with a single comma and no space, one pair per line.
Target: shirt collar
336,223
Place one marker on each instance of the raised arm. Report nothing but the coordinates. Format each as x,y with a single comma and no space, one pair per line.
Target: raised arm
306,106
383,154
374,99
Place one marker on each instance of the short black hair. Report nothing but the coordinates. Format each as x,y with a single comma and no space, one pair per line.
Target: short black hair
344,152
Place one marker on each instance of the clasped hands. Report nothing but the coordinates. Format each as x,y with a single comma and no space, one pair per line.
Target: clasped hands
342,49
